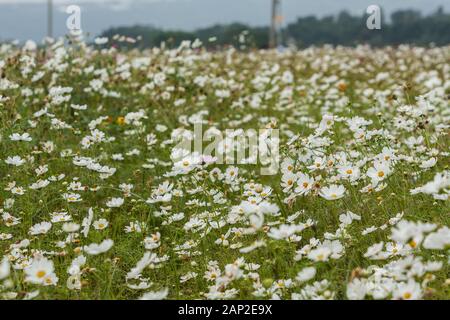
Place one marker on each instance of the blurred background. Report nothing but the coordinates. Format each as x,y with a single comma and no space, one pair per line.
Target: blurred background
263,22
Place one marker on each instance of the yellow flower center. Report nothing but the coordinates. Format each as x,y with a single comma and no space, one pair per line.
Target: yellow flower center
41,274
120,120
381,174
349,171
407,295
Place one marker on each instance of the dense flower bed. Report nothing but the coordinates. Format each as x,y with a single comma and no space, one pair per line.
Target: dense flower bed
94,206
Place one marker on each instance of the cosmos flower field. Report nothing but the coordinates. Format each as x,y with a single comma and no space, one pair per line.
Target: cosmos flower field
93,206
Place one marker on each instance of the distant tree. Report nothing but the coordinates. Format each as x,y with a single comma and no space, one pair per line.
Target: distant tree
406,26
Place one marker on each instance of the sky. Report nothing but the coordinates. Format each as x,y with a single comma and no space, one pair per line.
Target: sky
26,19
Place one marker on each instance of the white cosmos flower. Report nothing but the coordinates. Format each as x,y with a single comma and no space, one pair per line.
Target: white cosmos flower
115,202
100,224
306,274
147,259
411,232
257,244
319,163
374,250
86,223
348,217
288,180
438,240
78,107
70,227
284,231
74,282
305,184
40,228
40,184
41,271
441,181
4,268
351,173
15,161
20,137
321,253
428,163
357,289
188,276
18,190
152,242
155,295
332,192
408,291
94,248
72,197
76,264
101,40
379,171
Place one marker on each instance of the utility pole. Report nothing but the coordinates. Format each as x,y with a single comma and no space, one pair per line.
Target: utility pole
275,25
50,18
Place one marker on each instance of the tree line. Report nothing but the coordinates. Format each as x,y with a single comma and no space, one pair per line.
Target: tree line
404,26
